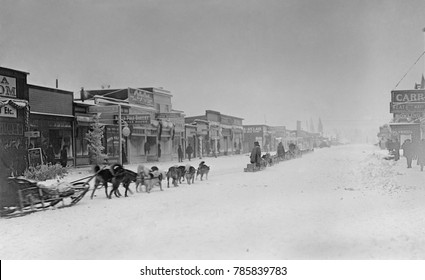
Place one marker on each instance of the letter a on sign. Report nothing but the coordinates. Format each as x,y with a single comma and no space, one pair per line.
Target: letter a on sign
4,81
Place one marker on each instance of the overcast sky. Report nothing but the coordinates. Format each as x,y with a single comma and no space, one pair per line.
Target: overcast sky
269,62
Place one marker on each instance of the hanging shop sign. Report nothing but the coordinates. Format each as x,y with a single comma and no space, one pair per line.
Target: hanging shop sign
253,129
226,132
84,119
134,118
417,95
140,97
32,134
8,111
414,115
409,128
201,128
407,107
190,131
7,86
167,115
178,124
174,120
126,131
103,109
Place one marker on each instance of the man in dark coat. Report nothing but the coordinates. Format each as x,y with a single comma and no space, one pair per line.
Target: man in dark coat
147,148
256,154
64,156
159,150
408,152
180,153
280,150
50,154
189,151
421,154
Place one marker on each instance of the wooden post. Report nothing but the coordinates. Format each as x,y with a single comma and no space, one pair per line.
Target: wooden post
21,205
40,191
120,134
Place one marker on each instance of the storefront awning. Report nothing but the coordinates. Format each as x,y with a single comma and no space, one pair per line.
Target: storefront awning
104,100
403,124
55,115
84,119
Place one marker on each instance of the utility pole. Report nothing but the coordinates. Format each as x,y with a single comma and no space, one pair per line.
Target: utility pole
120,134
423,30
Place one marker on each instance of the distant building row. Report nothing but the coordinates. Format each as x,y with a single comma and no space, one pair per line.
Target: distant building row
140,125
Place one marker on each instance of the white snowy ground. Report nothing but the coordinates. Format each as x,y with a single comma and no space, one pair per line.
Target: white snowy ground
343,202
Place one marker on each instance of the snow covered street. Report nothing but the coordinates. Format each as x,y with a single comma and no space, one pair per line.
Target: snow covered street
343,202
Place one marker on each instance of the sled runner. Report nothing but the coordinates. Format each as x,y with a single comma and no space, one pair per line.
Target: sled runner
251,167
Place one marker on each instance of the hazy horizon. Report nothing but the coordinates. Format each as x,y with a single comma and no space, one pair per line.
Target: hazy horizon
269,62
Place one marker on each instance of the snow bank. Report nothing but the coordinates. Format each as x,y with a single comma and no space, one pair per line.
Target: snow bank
346,202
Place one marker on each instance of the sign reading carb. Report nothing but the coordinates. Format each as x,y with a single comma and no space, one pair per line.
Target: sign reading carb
417,95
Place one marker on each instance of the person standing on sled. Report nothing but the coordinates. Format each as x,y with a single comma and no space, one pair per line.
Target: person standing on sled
256,155
280,151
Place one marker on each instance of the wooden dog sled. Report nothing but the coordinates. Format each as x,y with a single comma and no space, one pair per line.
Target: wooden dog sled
31,196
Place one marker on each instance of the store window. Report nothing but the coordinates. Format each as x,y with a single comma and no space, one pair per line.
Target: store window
81,142
60,139
56,133
176,142
112,141
137,145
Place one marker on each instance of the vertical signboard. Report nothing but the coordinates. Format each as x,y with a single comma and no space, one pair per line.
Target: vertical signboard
8,111
7,86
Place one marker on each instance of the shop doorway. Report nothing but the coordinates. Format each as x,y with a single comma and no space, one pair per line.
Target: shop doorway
151,148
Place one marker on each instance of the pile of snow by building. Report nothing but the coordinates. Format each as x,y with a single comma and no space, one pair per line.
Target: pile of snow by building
346,202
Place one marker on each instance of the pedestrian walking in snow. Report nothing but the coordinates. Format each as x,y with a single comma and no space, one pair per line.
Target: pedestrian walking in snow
64,156
189,151
159,151
421,154
408,152
147,148
180,153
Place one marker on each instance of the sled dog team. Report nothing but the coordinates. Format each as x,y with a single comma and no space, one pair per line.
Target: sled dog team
116,175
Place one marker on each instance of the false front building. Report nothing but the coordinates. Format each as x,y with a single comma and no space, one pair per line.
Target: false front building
142,119
214,134
408,107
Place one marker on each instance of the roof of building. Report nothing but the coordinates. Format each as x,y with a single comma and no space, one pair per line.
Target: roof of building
10,69
50,89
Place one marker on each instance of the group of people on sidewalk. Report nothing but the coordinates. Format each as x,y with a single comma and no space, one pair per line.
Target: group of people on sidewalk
189,151
411,151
